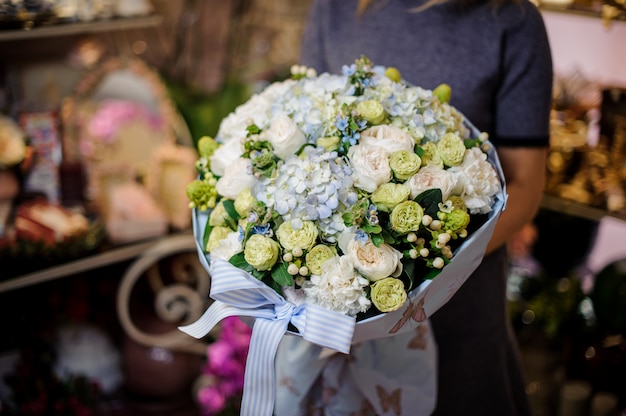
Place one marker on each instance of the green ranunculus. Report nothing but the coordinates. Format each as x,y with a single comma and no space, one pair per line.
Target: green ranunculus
261,252
219,216
372,111
406,217
404,164
303,237
244,202
430,155
388,294
388,195
456,220
317,256
202,194
451,149
206,146
217,234
329,143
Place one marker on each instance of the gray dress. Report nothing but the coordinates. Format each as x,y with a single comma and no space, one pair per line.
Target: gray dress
497,61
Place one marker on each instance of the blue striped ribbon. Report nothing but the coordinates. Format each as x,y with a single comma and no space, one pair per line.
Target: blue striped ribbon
236,293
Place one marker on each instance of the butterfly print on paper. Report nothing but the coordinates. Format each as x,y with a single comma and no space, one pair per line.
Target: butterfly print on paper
415,311
389,401
419,341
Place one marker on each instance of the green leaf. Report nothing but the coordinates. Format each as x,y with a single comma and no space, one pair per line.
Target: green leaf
377,239
281,276
430,200
229,206
432,274
408,268
239,261
469,143
371,229
205,237
389,238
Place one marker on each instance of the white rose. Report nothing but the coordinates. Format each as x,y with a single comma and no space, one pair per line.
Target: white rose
237,179
477,181
373,262
390,138
431,177
227,247
225,155
284,135
370,166
234,126
258,109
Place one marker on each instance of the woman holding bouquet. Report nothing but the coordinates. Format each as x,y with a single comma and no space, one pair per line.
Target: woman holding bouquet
495,56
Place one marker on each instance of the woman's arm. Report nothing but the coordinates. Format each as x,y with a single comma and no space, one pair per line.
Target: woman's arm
524,170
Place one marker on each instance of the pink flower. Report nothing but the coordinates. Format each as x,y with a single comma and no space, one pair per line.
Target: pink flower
226,363
211,400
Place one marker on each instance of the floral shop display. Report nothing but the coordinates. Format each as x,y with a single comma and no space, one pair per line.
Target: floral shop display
35,231
340,208
122,129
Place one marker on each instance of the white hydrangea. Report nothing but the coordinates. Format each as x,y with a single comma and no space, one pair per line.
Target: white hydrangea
339,288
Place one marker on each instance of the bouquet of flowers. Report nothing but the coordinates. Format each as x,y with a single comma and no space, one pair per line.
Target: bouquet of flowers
329,205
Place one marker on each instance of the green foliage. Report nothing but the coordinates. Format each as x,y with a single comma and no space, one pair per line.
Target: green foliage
281,276
430,200
203,113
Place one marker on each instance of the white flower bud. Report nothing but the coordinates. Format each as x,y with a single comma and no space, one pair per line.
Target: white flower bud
411,237
424,252
292,269
288,257
426,220
299,280
438,263
435,225
297,252
413,253
304,271
443,238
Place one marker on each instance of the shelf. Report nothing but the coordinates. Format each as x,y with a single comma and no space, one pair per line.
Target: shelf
578,10
108,257
576,209
69,29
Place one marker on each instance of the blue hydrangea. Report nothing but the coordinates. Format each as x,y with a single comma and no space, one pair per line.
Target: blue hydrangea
314,187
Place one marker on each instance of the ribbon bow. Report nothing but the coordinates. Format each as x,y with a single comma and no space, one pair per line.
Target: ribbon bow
236,293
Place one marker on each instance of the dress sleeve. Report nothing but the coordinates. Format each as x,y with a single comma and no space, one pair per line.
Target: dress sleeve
524,99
